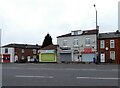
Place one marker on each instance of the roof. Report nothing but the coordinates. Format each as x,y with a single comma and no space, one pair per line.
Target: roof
23,46
109,35
50,47
86,32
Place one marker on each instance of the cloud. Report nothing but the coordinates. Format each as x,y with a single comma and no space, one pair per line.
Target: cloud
31,20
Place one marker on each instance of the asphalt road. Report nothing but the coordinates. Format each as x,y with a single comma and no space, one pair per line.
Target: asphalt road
59,75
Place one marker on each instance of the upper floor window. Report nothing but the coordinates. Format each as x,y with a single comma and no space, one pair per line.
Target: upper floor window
75,42
112,44
87,41
34,51
6,50
23,50
102,44
65,43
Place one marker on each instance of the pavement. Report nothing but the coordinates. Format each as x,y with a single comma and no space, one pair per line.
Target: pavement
46,74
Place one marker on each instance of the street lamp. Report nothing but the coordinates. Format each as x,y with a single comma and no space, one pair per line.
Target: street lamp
96,16
97,33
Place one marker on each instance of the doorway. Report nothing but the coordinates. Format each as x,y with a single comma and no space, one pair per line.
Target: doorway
102,58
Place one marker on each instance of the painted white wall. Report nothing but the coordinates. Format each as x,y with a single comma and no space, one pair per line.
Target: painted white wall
81,40
10,51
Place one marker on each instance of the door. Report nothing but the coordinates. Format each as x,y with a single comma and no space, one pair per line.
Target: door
76,57
102,58
16,58
28,58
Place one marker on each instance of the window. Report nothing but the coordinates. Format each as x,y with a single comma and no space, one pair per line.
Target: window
6,50
22,58
112,55
23,50
87,41
75,42
34,51
74,32
65,43
112,44
102,44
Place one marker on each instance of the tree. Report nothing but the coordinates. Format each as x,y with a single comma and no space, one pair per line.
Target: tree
47,41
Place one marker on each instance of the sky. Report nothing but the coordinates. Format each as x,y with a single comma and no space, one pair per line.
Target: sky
28,21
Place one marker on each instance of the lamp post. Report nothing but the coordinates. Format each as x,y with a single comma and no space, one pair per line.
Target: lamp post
96,16
97,32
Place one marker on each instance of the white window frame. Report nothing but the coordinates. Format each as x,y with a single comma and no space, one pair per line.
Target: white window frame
112,57
23,50
22,57
65,43
34,51
102,44
75,42
112,44
87,41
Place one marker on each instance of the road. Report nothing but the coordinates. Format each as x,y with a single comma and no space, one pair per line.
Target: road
59,75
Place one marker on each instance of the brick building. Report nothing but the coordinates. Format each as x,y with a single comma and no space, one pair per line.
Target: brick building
22,52
109,47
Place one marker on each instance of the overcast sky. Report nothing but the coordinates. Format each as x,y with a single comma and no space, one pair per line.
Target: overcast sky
28,21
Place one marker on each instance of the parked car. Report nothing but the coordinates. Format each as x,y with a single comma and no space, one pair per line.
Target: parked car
33,60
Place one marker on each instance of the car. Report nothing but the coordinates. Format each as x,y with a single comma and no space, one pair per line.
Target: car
33,60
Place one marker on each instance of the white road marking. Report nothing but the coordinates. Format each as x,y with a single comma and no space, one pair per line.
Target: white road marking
21,64
39,64
97,78
23,76
114,69
88,69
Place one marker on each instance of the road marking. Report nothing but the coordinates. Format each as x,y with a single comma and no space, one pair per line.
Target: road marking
21,64
23,76
39,64
97,78
88,69
114,69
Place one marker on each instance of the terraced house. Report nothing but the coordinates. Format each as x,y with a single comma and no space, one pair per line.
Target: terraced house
19,52
109,47
78,46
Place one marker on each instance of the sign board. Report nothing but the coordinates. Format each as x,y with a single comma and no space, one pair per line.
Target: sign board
47,51
87,50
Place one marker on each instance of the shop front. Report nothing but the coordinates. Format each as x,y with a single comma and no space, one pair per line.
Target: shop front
47,56
6,58
88,55
65,57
